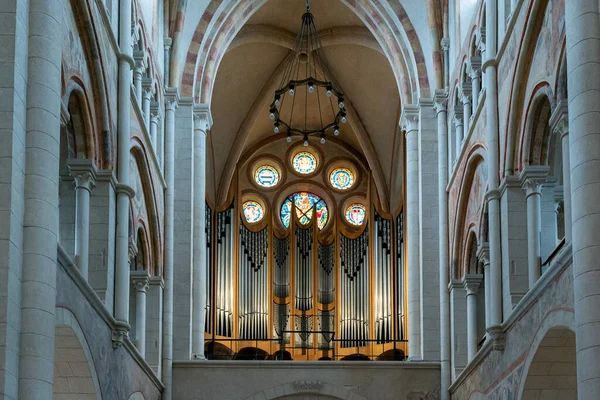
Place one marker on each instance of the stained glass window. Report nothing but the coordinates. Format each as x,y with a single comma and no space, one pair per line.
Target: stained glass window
356,213
342,178
253,211
306,205
304,163
266,176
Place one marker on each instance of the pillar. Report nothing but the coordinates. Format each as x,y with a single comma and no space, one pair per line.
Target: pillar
583,59
493,194
458,327
167,42
410,124
140,281
84,175
440,106
124,191
471,284
560,126
482,47
445,45
458,128
532,179
154,121
475,74
40,192
483,254
466,103
154,318
171,101
138,72
202,123
146,100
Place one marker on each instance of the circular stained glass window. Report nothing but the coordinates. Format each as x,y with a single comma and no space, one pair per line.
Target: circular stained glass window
253,211
356,213
266,176
304,163
342,178
306,205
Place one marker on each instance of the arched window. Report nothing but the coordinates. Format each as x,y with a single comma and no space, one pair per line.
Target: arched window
306,204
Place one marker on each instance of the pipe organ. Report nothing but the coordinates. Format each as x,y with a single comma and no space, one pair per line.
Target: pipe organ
252,283
314,295
224,275
355,299
209,287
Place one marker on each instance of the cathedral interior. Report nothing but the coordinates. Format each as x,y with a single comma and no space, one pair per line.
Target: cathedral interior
299,200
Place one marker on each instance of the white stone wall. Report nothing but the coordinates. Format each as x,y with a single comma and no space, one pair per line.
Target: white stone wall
428,235
182,258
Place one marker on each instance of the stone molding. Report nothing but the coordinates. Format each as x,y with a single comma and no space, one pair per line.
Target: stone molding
171,99
140,280
440,101
533,177
559,120
202,117
83,173
121,188
471,283
483,253
498,337
474,67
157,281
465,93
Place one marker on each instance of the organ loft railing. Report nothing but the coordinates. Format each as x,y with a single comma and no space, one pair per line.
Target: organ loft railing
303,295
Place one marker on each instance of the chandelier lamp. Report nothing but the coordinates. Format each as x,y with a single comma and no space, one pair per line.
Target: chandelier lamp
307,103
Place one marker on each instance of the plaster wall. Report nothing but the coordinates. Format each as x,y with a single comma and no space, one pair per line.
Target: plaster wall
235,380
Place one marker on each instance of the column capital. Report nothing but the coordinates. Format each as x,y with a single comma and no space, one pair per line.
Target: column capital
65,115
168,42
147,85
202,117
440,101
445,44
559,121
498,337
457,118
83,173
474,69
131,250
481,39
171,98
465,92
157,281
154,111
483,253
409,120
119,333
532,177
471,283
140,280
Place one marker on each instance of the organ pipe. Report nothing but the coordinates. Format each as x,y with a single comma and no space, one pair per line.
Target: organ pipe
304,269
383,313
326,274
252,281
400,328
209,272
354,266
224,273
281,254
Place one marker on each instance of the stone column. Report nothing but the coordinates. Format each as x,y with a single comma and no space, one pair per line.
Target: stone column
560,126
483,254
138,73
475,74
167,42
154,318
40,162
458,327
440,106
84,175
154,120
140,281
531,180
146,100
124,191
466,102
482,47
459,133
493,194
171,101
471,284
410,124
583,59
202,123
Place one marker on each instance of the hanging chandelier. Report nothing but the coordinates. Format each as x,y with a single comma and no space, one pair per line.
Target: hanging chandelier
306,103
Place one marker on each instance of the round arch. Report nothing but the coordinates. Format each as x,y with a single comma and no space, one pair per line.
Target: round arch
70,347
299,390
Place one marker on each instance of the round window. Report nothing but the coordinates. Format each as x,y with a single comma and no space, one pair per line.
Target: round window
253,211
304,163
266,176
356,213
342,178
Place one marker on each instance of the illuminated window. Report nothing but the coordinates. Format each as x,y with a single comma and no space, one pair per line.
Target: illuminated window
253,211
304,163
356,213
342,178
306,205
266,176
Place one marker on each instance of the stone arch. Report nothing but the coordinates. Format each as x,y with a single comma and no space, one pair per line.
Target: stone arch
137,396
551,360
393,30
535,137
74,370
476,160
470,262
80,119
524,59
305,390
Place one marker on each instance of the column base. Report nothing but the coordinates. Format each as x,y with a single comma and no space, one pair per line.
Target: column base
119,333
497,336
415,358
199,357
